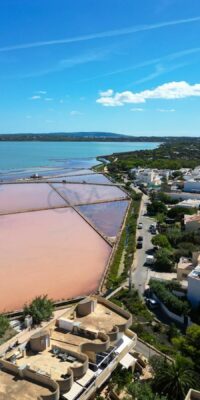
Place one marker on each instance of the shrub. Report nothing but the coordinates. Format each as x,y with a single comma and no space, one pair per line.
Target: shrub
172,302
156,207
161,241
4,324
41,309
164,261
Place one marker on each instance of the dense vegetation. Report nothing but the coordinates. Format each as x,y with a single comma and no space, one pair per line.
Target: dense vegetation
144,325
41,309
189,345
173,154
163,290
78,137
174,379
172,241
171,380
4,324
6,331
172,244
126,245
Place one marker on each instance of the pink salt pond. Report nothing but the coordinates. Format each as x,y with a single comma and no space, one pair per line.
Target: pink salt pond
76,194
106,217
89,178
26,197
52,251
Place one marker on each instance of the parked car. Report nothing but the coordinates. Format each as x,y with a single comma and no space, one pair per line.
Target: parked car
139,245
140,225
151,303
150,259
152,229
140,238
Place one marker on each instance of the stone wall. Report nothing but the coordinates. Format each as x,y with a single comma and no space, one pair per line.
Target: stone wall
34,377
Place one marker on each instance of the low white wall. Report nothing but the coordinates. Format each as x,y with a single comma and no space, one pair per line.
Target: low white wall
175,317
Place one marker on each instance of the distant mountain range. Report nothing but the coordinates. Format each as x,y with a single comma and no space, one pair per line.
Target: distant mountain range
77,137
84,137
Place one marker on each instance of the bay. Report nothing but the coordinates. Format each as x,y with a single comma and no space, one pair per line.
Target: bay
23,155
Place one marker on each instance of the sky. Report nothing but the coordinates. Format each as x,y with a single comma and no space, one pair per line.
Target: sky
124,66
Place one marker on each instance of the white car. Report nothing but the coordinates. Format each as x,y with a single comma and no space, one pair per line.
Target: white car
140,226
150,260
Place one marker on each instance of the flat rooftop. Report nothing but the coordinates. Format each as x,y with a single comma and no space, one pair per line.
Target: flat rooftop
185,263
59,351
13,388
69,340
101,319
46,363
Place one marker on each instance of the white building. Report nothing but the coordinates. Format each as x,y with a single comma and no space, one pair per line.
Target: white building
189,174
193,293
189,203
192,185
147,176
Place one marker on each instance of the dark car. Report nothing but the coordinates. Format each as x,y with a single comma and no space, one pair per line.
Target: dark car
151,303
139,245
152,229
140,239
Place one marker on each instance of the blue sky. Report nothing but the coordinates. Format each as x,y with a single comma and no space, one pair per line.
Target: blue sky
128,66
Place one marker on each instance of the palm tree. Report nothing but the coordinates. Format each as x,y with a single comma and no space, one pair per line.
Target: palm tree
174,379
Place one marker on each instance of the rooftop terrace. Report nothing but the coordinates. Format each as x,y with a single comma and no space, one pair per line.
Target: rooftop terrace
16,388
86,341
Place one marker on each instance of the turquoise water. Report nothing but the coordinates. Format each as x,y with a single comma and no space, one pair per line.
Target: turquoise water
21,155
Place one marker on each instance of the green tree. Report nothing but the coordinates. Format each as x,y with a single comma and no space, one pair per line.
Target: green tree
174,235
174,379
173,331
161,241
143,391
41,309
189,345
178,212
164,260
4,324
156,207
121,378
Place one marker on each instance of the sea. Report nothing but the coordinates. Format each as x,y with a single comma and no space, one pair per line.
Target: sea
21,159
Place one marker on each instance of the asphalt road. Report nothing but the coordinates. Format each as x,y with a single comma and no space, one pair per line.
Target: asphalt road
140,271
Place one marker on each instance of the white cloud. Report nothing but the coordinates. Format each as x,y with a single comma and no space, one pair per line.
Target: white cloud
41,92
75,112
163,110
137,109
48,99
36,97
107,93
167,91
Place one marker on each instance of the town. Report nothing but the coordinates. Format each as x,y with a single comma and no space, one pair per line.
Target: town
144,320
99,200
